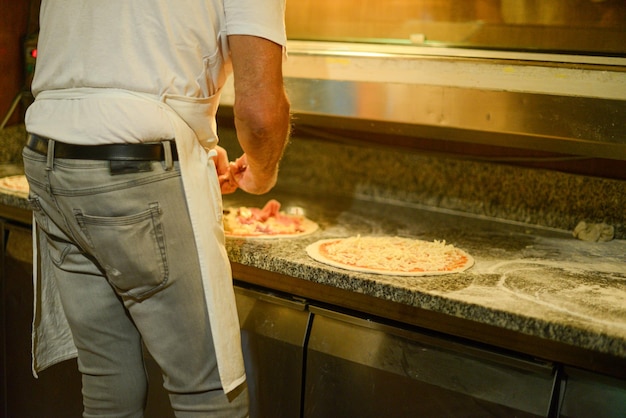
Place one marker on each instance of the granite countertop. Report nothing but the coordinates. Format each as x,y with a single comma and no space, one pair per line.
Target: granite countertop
11,198
533,280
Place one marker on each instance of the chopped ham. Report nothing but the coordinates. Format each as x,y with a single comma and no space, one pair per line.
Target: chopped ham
251,215
270,209
267,221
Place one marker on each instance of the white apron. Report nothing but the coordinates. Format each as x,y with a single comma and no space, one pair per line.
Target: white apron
193,121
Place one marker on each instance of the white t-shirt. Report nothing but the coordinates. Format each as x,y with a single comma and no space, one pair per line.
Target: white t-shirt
153,47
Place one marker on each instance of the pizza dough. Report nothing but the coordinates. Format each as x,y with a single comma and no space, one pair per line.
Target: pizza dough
15,184
391,255
594,232
266,223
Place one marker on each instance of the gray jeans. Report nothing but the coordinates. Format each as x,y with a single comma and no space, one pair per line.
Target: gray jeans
124,260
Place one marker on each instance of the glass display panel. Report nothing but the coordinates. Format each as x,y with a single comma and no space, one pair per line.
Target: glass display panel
586,27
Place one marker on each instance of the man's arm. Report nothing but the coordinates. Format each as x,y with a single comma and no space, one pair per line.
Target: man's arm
261,109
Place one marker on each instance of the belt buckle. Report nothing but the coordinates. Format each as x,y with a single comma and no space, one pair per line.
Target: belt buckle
129,167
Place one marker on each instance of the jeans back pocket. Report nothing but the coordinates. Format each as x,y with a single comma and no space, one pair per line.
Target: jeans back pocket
131,250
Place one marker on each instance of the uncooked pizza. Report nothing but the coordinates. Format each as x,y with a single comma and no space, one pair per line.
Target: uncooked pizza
267,222
391,255
16,184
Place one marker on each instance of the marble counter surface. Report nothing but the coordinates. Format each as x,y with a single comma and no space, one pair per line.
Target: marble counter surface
533,280
8,198
537,281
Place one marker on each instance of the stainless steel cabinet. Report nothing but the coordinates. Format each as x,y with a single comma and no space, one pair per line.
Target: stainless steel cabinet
307,361
360,368
273,331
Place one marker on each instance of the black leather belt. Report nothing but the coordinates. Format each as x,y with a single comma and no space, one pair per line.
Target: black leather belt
108,152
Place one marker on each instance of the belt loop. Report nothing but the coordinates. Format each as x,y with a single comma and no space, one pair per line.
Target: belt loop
50,155
167,150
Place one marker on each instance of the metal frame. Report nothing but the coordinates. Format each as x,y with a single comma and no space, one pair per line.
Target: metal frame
575,105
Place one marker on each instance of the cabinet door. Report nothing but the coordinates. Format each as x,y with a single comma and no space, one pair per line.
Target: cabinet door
592,395
360,368
273,332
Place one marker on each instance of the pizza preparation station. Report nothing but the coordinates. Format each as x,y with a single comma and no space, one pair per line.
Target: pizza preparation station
538,318
535,328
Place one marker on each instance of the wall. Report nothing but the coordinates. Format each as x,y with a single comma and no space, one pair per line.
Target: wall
579,25
416,179
14,16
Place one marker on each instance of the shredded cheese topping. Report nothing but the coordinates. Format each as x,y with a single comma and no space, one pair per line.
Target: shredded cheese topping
395,254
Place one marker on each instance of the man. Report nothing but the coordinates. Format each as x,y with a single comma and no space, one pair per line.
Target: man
126,180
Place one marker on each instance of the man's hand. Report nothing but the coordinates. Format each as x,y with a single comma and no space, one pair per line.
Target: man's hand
228,184
238,174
